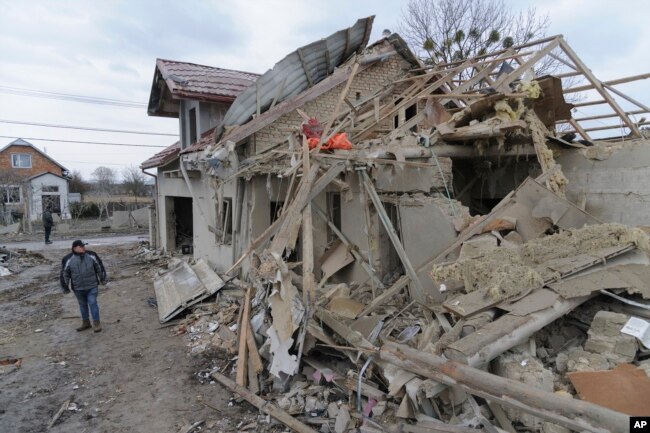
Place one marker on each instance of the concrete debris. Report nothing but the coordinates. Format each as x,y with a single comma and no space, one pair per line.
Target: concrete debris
415,290
606,339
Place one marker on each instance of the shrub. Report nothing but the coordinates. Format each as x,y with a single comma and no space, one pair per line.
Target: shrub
84,210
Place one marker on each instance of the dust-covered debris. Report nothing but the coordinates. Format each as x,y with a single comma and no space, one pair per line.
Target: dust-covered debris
339,343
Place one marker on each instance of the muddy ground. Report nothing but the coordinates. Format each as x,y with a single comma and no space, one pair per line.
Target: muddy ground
134,376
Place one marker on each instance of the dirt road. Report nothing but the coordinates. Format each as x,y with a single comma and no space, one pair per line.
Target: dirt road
134,376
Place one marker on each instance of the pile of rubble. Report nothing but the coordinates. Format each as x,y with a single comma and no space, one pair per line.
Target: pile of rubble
511,321
14,261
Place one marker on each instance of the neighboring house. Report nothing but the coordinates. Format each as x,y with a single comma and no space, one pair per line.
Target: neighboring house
30,180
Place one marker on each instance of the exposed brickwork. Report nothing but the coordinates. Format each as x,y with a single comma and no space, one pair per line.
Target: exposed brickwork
365,82
40,164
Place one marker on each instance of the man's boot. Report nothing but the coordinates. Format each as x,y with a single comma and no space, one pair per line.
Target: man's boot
97,326
85,324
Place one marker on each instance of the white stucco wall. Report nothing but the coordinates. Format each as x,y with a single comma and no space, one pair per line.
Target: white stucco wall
36,193
204,214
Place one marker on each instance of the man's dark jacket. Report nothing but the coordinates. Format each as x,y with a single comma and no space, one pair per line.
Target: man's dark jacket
48,221
101,274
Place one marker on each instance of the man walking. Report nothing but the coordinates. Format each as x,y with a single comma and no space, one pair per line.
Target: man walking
48,222
82,272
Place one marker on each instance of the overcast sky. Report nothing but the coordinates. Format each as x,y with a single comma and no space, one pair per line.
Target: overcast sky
108,49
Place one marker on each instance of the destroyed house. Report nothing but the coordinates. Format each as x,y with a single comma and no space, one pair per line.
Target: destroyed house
198,96
440,244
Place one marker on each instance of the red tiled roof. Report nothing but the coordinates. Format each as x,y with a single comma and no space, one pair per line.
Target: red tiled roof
166,155
207,138
206,83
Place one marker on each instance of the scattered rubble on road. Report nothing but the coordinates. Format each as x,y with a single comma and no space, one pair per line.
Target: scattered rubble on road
13,262
499,322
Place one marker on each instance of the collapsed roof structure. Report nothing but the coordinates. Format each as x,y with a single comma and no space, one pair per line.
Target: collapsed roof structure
401,241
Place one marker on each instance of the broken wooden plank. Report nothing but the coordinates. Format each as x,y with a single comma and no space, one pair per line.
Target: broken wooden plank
348,334
506,332
263,405
598,85
388,294
418,291
58,413
325,136
242,356
353,248
482,130
568,412
291,220
501,417
308,279
253,352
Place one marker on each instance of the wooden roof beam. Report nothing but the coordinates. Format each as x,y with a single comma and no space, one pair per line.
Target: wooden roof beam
599,87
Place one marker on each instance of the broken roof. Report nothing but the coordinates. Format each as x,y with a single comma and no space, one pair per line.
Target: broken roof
207,138
175,80
163,157
396,46
298,71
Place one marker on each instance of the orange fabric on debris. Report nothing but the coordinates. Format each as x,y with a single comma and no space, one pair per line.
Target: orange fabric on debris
338,141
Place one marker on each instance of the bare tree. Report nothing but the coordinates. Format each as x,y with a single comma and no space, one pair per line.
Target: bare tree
104,179
133,181
449,30
77,183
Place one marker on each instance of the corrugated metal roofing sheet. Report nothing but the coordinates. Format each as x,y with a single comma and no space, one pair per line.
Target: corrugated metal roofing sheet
207,83
163,157
298,71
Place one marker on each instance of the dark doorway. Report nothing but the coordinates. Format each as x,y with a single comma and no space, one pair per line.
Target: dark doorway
180,218
53,201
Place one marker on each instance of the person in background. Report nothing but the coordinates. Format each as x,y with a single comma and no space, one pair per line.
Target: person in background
82,273
48,222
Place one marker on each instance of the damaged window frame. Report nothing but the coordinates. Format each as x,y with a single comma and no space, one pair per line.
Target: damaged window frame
224,212
12,194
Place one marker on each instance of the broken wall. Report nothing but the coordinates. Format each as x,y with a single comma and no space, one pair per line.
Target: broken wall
204,215
365,83
426,229
613,179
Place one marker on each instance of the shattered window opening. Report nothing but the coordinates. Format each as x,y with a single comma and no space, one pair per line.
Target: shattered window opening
11,194
226,221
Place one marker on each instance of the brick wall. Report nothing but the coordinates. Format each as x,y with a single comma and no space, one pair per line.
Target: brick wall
365,82
40,164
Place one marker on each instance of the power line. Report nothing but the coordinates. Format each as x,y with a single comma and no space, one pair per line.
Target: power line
85,128
85,142
70,97
89,162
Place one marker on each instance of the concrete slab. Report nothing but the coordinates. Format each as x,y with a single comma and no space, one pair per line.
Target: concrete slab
141,216
13,228
121,218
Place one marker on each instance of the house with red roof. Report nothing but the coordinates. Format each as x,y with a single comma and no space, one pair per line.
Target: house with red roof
31,180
